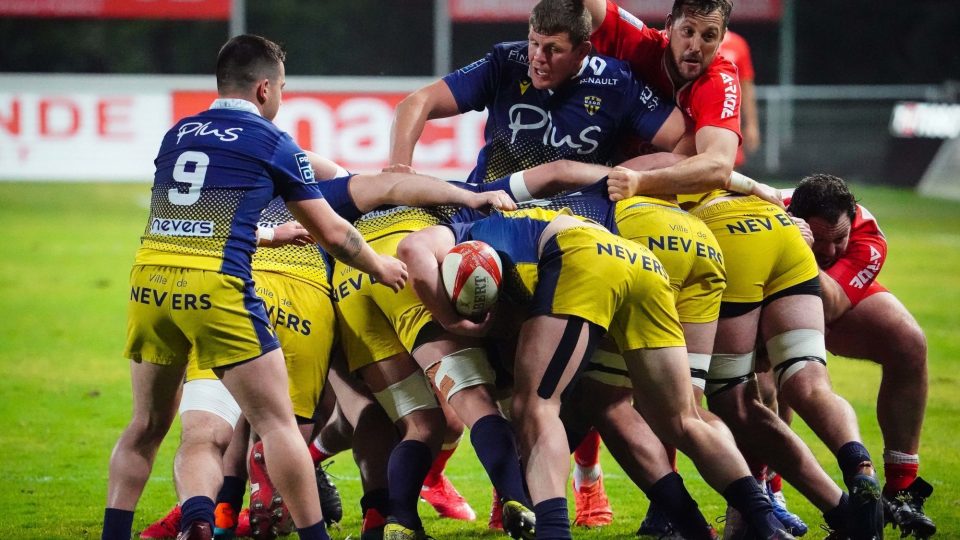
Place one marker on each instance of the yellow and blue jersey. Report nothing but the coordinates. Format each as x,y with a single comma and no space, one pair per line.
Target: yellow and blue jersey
215,173
581,120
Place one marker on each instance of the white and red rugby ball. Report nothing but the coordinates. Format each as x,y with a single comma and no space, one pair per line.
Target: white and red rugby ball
472,273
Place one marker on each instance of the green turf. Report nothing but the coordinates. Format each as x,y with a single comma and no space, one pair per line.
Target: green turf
65,394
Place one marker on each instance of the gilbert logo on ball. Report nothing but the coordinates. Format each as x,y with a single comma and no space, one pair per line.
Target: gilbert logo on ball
472,273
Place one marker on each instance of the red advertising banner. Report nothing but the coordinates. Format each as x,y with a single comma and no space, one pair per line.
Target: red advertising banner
118,9
653,11
353,129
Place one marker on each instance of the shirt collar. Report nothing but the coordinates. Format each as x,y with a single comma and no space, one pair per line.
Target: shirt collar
235,104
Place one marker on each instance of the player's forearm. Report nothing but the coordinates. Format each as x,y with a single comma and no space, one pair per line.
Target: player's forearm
419,190
697,174
408,123
424,270
552,178
598,11
835,301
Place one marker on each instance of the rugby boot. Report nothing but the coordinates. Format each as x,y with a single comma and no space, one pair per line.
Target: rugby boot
791,521
735,527
224,522
373,525
904,510
269,516
243,524
519,521
866,508
330,503
593,507
447,501
166,527
496,513
395,531
198,530
656,525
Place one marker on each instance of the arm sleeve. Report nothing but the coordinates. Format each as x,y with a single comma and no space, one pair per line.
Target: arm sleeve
861,263
338,195
715,99
474,86
292,172
647,110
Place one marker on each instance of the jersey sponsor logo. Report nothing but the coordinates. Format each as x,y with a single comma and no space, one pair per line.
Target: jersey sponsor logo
473,66
181,227
178,301
729,96
649,98
648,263
686,245
203,129
288,319
518,56
306,169
351,285
869,272
525,117
600,81
524,85
592,104
628,17
759,224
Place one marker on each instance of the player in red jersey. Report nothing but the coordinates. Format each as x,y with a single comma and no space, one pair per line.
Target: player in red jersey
735,49
865,320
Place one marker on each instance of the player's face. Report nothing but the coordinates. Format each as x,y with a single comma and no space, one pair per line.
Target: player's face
553,59
694,39
274,95
829,239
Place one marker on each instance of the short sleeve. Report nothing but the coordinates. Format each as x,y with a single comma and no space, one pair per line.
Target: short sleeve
336,192
474,86
715,98
859,266
647,109
292,172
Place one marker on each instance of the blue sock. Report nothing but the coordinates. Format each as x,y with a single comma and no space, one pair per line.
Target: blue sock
849,457
117,524
496,447
553,520
409,464
836,517
232,492
748,498
673,499
317,531
199,508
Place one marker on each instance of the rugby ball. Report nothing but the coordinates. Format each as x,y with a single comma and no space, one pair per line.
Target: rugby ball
472,273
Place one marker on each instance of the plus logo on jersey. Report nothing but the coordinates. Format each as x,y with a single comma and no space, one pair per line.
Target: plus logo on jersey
592,104
530,117
869,272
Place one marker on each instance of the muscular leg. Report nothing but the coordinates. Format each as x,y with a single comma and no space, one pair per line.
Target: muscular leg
882,330
198,464
156,393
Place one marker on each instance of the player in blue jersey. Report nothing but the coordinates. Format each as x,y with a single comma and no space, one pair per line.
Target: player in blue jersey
192,297
548,98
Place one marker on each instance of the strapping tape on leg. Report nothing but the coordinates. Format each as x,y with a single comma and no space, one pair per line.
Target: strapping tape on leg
728,371
463,369
212,396
790,351
411,394
699,367
608,368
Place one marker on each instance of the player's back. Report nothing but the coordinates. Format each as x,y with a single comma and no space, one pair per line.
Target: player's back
214,175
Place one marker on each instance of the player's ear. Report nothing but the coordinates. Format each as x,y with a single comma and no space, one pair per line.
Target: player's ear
583,49
263,90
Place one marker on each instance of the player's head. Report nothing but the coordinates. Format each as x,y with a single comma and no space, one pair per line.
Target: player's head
251,67
695,29
558,41
824,201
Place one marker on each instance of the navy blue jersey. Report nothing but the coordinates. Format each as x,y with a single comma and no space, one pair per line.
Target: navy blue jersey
215,173
581,120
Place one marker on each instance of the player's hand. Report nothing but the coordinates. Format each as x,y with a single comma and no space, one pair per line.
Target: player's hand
768,193
804,227
492,199
622,183
470,328
392,273
291,232
399,168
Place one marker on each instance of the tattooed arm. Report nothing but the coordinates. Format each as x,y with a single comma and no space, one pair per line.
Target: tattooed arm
341,239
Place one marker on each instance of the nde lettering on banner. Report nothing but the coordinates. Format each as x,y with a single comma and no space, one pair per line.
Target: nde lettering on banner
31,117
354,131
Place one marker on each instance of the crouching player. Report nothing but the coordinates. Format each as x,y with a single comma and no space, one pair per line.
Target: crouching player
579,281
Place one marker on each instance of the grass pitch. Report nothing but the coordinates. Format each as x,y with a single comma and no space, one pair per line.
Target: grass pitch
65,392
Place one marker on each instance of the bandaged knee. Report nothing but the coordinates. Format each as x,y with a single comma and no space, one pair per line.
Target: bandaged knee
793,350
728,371
461,370
699,367
409,395
211,396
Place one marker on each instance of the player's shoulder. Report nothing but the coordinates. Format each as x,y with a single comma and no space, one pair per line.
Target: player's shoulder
606,72
511,52
719,77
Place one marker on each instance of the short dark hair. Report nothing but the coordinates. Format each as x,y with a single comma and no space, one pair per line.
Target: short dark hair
823,196
551,17
246,59
702,7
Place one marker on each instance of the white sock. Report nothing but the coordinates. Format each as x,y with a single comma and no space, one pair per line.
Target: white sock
586,476
895,457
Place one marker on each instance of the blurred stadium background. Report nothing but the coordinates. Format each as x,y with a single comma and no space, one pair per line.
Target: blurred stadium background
867,90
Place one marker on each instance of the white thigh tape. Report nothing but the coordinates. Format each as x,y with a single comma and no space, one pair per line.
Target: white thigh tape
210,395
411,394
463,369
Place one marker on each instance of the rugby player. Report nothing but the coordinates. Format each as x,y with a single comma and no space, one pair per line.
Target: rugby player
576,281
192,296
865,320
